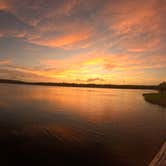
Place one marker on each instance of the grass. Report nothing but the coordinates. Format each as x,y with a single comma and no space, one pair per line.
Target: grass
156,98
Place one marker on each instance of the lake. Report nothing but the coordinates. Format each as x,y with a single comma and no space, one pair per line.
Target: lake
42,125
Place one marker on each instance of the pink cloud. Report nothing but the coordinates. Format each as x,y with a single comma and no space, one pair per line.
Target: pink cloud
63,40
5,62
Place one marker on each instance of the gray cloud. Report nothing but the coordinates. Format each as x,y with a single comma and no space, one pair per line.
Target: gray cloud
94,79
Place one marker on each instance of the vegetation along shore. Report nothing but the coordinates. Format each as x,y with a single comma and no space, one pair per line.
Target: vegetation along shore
157,98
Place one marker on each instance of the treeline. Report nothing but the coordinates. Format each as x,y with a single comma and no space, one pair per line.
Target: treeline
162,87
81,85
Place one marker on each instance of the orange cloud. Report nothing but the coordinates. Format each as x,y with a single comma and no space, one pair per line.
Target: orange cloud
94,69
5,62
64,40
33,71
101,65
3,5
137,25
129,14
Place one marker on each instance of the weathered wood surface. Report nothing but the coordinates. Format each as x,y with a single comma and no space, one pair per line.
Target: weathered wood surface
160,158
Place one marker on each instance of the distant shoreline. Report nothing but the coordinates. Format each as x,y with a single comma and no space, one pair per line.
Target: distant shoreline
148,87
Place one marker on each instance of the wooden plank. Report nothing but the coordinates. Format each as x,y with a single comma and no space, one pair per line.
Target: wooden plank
160,158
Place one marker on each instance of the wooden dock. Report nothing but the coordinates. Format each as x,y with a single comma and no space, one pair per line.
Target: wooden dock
160,158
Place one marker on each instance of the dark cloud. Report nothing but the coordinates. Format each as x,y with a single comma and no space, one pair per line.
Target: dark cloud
94,79
10,25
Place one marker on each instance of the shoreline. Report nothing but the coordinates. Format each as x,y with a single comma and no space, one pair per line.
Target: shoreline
112,86
156,98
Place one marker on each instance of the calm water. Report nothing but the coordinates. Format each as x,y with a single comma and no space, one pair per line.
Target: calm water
52,125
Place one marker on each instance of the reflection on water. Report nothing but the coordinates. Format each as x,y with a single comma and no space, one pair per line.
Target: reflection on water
73,125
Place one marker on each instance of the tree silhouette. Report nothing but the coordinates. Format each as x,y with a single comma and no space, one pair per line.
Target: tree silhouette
162,87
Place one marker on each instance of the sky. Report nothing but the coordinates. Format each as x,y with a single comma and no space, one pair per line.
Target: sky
94,41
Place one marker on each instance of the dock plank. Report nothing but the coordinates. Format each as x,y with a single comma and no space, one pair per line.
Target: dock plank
160,158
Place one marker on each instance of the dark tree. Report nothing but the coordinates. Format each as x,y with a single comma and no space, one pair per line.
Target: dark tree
162,87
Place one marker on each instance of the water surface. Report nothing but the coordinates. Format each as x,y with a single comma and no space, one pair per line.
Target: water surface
42,125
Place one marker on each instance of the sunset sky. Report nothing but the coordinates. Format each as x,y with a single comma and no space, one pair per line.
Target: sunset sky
93,41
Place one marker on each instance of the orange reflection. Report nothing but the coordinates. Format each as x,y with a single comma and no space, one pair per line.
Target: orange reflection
93,105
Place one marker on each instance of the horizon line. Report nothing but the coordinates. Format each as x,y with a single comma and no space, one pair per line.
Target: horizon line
91,85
